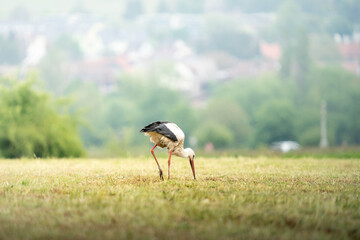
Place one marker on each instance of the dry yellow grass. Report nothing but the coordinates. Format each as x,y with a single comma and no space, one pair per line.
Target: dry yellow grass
233,198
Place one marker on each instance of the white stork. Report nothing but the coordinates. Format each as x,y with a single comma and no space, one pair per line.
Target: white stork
167,134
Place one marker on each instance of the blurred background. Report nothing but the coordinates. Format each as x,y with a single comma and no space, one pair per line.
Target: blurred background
81,78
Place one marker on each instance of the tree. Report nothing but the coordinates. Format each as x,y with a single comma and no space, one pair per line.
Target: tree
30,124
231,115
54,66
215,133
89,102
184,115
341,91
294,42
275,122
323,49
68,46
134,103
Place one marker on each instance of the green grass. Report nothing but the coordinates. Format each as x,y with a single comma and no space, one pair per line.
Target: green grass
305,152
233,198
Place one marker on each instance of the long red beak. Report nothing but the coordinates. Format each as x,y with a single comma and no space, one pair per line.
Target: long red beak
192,166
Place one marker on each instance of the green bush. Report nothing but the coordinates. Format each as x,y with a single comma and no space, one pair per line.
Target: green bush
231,115
310,136
215,133
30,125
275,122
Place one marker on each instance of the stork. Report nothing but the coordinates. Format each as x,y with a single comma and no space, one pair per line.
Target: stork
169,135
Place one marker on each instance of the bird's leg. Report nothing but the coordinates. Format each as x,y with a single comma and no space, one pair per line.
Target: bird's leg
169,164
161,172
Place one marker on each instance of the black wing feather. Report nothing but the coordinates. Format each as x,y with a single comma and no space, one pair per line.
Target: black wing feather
151,126
160,127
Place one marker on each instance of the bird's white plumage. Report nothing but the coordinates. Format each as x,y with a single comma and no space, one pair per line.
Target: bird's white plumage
176,130
162,141
176,147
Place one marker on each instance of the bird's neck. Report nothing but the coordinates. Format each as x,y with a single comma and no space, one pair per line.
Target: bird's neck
181,152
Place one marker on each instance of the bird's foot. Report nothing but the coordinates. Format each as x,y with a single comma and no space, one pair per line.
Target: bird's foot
161,175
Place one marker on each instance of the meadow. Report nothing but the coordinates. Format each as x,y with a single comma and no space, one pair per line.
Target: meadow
232,198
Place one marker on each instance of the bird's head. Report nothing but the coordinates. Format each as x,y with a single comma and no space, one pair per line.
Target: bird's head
191,155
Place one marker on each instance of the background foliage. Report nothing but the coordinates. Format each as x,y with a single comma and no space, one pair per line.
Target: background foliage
31,125
245,112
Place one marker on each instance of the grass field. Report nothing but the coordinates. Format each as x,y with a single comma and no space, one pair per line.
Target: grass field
233,198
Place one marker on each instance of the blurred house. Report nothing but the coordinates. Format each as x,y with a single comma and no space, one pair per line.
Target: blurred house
349,48
35,51
91,42
159,23
8,70
22,29
271,51
190,76
103,71
254,22
252,68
